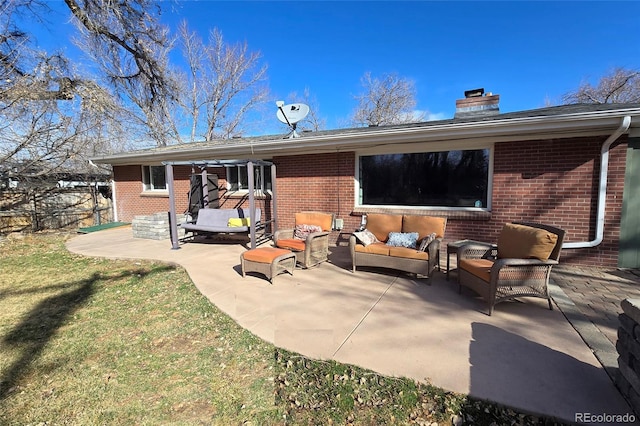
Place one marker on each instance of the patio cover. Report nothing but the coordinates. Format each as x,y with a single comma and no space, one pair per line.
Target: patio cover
203,164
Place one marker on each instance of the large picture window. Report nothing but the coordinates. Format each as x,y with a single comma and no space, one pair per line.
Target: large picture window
426,179
238,178
153,178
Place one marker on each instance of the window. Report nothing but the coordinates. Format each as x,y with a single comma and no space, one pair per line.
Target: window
153,178
426,179
238,178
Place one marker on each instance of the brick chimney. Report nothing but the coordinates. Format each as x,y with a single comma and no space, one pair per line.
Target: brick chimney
477,104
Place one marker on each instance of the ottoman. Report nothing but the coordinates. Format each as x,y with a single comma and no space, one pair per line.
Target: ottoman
269,261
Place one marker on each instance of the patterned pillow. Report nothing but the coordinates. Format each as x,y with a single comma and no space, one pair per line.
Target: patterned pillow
366,237
403,239
301,232
426,241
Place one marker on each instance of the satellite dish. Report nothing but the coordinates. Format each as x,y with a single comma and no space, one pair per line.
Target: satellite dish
290,115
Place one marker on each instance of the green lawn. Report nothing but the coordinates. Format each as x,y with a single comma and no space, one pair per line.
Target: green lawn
87,341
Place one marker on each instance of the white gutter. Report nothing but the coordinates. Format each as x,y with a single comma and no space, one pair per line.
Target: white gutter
602,192
499,130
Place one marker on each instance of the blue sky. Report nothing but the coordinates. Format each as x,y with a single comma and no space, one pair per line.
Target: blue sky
528,52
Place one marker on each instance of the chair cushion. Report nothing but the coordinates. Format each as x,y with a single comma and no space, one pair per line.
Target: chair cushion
402,239
382,224
424,225
525,242
323,220
291,244
408,253
264,254
374,248
481,268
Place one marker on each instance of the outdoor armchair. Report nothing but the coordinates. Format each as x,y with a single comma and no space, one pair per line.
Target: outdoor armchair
309,240
518,266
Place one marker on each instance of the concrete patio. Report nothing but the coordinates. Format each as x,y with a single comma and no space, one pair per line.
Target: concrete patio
524,355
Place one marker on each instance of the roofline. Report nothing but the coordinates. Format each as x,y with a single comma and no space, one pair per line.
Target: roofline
484,131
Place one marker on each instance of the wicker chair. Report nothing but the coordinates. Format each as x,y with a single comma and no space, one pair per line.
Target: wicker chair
496,274
313,250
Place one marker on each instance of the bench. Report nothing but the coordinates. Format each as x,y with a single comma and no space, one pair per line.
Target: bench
215,221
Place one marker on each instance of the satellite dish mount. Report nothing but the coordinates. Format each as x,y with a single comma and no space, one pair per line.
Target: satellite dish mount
290,115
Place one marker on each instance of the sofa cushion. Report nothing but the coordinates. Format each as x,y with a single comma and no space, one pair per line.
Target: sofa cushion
481,268
402,239
408,253
424,225
375,248
291,244
323,220
382,224
366,237
525,242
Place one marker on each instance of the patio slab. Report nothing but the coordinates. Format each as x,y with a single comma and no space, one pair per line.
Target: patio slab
524,355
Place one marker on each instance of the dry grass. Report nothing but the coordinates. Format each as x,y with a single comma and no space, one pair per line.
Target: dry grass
90,341
87,341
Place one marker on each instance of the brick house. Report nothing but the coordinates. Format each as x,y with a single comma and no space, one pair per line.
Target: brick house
480,169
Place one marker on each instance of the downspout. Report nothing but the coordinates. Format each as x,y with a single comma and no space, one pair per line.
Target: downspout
602,192
114,205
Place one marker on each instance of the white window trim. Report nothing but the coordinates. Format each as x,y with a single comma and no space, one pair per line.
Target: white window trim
263,171
148,186
418,148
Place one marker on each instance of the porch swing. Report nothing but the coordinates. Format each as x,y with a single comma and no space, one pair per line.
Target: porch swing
206,216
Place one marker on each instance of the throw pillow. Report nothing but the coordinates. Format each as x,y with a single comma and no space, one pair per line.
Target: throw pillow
366,237
301,232
235,222
426,241
402,239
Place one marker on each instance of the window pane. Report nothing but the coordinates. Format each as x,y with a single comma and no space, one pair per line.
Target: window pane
244,177
267,177
232,178
146,177
158,180
441,179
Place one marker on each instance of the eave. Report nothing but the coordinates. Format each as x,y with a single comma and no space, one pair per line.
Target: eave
541,127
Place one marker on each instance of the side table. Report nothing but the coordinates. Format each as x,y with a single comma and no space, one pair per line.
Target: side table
453,247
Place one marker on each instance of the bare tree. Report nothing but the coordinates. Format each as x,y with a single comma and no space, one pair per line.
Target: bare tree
313,121
386,100
619,86
131,48
224,82
50,119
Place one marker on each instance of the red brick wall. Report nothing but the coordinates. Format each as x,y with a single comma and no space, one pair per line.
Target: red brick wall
554,182
549,181
132,201
318,182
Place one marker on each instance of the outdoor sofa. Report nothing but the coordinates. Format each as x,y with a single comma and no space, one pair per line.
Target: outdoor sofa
409,243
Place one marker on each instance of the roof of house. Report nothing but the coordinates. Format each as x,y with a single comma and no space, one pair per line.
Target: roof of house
559,122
